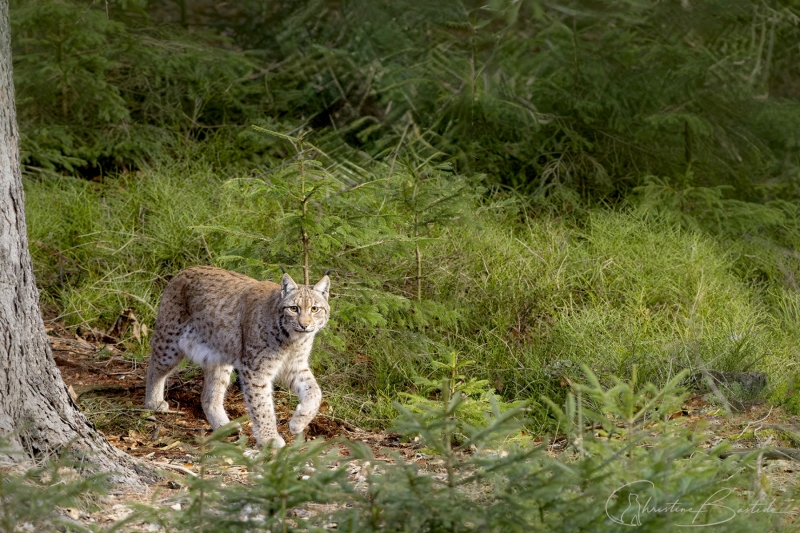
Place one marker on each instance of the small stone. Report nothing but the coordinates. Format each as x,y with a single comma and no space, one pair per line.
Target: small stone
176,507
174,485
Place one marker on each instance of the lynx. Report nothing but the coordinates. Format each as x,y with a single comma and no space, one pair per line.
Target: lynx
223,320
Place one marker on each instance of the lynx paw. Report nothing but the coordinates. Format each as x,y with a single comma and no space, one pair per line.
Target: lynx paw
302,417
161,407
273,442
298,423
216,421
251,454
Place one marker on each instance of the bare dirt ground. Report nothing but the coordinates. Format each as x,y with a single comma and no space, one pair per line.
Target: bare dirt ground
108,384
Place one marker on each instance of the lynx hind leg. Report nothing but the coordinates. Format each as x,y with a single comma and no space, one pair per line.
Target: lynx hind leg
217,379
164,358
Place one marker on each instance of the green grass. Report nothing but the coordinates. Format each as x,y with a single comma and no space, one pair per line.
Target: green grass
528,301
630,453
613,293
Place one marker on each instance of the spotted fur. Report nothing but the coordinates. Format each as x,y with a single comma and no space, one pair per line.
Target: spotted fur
223,320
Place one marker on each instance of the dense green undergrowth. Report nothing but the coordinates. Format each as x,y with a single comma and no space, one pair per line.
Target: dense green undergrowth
625,463
528,298
574,97
678,116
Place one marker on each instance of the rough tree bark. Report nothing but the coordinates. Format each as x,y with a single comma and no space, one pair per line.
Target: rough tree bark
37,413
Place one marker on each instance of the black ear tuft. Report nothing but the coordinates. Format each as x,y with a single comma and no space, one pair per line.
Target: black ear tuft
287,285
323,286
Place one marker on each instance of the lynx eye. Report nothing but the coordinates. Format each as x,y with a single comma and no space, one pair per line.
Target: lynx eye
314,309
293,308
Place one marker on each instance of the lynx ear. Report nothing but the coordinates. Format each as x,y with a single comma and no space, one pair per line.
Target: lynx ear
287,285
323,286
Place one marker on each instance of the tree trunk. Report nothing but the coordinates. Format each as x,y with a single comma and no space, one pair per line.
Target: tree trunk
37,414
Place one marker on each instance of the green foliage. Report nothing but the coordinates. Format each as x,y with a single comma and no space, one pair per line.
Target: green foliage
31,494
303,192
583,488
468,399
308,215
635,457
623,457
578,95
429,199
704,208
405,99
98,92
277,482
528,303
101,249
573,102
787,393
682,114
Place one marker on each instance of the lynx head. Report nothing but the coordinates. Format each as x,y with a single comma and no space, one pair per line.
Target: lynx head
305,307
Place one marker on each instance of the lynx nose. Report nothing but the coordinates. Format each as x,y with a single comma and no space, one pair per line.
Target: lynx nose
300,326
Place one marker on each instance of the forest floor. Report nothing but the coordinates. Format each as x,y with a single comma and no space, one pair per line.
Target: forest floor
109,386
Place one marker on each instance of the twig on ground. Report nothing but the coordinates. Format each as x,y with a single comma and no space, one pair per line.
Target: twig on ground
771,453
129,410
176,467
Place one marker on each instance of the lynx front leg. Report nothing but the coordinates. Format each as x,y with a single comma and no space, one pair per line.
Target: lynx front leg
257,391
303,384
217,379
